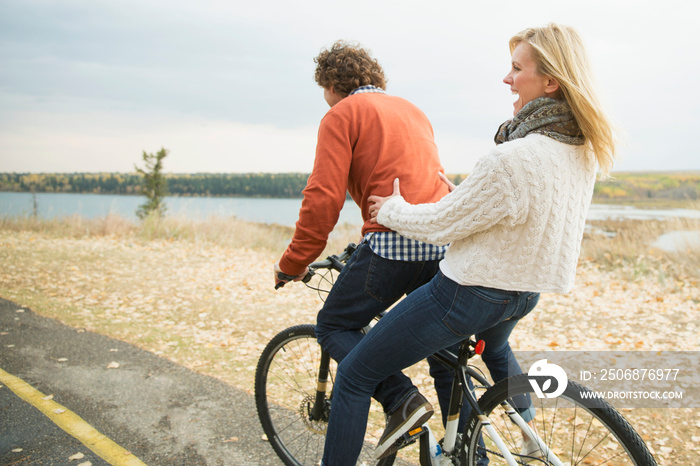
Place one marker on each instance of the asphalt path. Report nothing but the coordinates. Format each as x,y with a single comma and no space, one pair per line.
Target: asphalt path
147,408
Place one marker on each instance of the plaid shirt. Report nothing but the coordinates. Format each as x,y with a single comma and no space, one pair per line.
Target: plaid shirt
391,245
368,88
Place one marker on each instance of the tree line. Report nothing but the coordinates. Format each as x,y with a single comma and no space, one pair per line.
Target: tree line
622,187
283,185
641,186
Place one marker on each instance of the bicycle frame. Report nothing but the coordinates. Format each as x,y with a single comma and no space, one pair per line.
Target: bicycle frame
460,391
460,386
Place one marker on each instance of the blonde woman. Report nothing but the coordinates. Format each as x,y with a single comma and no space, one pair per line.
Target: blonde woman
514,227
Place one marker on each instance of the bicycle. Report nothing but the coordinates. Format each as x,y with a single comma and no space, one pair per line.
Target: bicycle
294,391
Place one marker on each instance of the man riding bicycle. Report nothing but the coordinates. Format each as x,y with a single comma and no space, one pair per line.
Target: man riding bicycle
367,139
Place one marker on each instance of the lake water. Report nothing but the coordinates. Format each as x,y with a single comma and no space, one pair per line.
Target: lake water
678,241
262,210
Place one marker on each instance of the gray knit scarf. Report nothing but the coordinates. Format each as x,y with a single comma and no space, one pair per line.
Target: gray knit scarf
552,118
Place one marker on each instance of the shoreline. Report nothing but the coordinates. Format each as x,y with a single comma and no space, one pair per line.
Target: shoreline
264,211
645,203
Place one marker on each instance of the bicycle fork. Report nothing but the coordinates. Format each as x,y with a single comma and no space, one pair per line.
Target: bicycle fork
318,411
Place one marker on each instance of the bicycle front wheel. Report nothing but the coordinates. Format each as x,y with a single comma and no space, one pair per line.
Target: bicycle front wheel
293,413
573,428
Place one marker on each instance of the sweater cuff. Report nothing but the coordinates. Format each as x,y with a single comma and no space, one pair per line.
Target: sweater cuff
385,213
291,268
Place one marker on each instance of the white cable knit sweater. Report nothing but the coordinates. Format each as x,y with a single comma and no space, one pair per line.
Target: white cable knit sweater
515,223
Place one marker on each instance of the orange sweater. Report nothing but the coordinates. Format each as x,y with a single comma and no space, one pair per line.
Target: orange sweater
364,142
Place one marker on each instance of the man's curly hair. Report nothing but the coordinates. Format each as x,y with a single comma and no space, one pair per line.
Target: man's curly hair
345,67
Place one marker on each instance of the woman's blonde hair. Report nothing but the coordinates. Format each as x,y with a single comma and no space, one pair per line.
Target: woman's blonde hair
560,53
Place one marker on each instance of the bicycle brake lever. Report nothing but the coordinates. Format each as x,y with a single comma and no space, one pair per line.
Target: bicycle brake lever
308,276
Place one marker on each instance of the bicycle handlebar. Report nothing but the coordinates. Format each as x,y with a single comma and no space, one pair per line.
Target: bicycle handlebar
334,262
289,278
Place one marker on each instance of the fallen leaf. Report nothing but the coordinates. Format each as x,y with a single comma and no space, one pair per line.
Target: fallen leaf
48,397
59,411
16,450
113,365
77,456
86,463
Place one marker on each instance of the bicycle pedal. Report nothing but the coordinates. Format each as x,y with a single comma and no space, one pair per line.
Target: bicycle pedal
410,436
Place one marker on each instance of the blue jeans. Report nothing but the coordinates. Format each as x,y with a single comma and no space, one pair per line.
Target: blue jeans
438,315
368,285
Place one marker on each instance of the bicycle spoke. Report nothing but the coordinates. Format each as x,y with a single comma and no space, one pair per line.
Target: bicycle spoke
286,382
570,429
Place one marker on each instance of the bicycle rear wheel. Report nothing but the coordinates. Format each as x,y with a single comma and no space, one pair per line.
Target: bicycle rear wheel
576,429
286,383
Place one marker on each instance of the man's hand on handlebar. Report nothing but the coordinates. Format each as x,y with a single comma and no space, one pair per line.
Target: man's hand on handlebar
281,278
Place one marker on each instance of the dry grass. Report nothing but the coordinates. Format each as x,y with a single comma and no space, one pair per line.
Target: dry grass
220,231
611,243
200,294
629,244
74,226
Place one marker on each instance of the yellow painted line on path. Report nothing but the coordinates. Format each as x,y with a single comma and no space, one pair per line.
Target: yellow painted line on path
71,423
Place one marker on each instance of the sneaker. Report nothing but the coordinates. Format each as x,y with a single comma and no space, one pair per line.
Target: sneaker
529,448
411,414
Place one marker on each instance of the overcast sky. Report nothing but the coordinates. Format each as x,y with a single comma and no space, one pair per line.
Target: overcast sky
227,86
